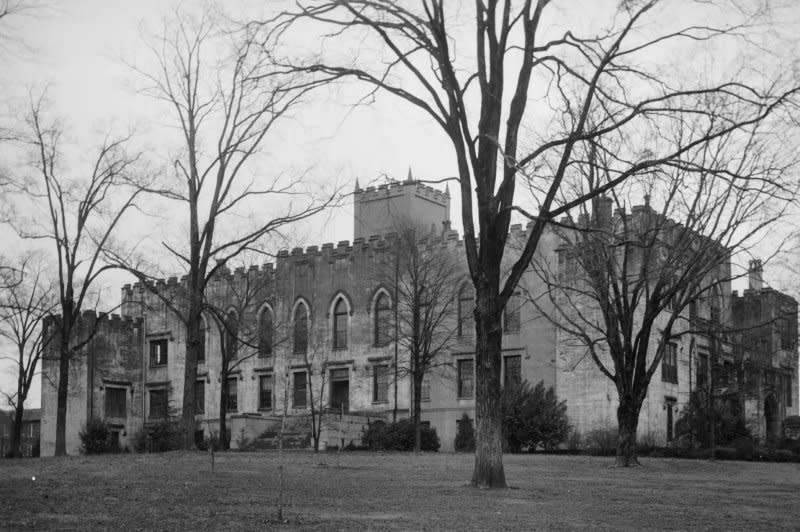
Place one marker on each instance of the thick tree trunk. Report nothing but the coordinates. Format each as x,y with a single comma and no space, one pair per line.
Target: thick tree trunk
488,472
16,434
61,403
193,346
417,411
628,421
224,441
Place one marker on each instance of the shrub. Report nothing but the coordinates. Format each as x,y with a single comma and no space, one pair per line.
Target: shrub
729,424
95,437
574,441
602,442
465,435
533,417
158,437
399,436
647,444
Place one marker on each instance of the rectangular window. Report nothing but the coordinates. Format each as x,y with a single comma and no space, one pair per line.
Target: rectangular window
158,352
299,389
426,389
669,364
200,396
513,371
158,404
670,404
380,384
233,394
265,392
116,405
466,379
511,320
702,370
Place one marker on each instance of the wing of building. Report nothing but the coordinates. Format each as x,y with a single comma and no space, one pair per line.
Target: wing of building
333,306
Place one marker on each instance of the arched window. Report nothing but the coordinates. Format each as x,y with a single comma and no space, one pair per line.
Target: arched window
383,320
265,333
340,324
300,329
466,307
231,334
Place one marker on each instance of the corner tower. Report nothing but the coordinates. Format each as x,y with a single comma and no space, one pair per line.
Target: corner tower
381,210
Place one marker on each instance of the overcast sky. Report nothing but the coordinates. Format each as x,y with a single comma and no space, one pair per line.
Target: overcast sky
81,51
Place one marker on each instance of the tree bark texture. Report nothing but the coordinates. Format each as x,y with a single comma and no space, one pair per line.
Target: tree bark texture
628,423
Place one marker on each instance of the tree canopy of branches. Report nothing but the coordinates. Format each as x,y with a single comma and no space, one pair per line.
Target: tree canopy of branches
26,300
225,110
517,88
78,218
425,276
626,279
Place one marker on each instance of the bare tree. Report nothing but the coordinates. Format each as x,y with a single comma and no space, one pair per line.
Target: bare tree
626,281
224,109
24,304
477,71
315,364
79,219
425,276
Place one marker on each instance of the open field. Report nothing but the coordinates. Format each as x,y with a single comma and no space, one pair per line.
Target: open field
177,491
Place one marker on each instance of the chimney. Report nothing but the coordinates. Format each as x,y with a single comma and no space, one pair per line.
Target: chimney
755,275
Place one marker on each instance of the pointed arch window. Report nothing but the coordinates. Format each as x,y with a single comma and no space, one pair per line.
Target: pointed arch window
340,324
300,329
265,327
231,334
383,320
466,307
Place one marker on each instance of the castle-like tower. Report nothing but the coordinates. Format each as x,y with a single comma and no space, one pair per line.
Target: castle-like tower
388,207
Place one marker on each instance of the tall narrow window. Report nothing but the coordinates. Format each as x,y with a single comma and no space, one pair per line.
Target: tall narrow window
670,404
466,307
299,389
340,325
380,384
511,320
466,379
231,334
200,396
383,320
265,334
158,404
513,371
116,404
788,390
233,394
425,394
158,352
669,364
265,392
300,329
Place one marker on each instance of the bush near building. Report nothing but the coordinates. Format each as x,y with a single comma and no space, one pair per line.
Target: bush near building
533,417
465,435
96,437
399,436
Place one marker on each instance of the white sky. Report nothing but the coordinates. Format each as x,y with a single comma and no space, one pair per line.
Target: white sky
79,49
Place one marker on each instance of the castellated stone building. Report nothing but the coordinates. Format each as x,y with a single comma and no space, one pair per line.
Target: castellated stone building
332,304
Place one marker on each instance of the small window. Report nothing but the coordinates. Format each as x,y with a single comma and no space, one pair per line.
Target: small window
233,394
158,404
231,335
513,371
380,384
669,364
511,319
299,389
265,392
200,396
340,325
383,320
158,352
116,402
466,308
265,334
300,329
466,379
425,394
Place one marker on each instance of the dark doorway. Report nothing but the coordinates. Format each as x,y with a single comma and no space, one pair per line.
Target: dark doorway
771,418
340,390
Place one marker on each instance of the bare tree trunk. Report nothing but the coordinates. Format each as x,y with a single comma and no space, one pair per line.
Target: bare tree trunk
417,412
628,423
488,472
193,346
63,387
17,432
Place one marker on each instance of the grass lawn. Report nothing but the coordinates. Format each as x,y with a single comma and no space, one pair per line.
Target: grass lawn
177,491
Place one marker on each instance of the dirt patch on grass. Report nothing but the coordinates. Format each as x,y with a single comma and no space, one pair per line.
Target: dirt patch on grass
177,491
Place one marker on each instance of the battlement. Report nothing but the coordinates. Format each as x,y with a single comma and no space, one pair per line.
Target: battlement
104,322
397,188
